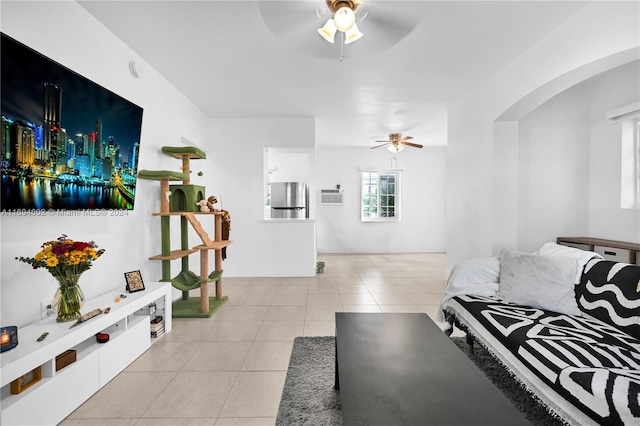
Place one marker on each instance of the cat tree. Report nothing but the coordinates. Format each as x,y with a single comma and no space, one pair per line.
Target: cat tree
182,200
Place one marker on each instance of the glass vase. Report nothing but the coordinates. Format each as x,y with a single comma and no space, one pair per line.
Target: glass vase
68,299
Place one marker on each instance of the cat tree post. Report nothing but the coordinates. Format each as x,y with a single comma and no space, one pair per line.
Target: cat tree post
164,198
218,255
186,168
165,229
204,286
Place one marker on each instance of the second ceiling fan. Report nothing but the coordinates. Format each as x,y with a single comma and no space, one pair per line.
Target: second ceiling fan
397,142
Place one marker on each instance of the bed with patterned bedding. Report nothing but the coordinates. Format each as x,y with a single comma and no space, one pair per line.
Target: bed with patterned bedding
583,366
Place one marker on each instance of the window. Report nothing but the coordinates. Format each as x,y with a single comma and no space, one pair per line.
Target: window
380,196
628,117
630,179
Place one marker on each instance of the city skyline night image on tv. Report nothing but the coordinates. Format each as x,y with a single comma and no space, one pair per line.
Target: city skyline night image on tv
67,143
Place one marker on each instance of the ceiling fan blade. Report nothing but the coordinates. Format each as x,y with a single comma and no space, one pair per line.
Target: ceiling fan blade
388,141
379,146
386,23
415,145
295,24
299,16
406,138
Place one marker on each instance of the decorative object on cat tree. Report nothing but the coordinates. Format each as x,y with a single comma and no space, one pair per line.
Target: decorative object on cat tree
226,228
226,220
203,204
211,202
187,200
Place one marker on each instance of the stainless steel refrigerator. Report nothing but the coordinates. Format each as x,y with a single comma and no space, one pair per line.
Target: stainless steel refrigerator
289,200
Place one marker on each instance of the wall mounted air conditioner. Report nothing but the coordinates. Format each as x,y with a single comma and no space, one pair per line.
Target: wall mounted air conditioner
331,197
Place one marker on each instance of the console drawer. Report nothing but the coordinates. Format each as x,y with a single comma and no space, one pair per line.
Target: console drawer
615,254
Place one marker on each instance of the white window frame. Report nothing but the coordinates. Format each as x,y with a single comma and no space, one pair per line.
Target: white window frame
628,117
630,161
365,190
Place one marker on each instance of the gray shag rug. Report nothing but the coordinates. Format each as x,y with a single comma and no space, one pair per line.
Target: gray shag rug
309,398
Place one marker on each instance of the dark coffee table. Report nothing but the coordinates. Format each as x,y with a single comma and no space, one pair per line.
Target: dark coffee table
401,369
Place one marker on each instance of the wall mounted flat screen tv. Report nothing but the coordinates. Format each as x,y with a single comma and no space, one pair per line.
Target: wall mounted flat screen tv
67,142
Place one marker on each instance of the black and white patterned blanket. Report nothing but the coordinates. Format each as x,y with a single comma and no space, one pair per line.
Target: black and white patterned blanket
582,368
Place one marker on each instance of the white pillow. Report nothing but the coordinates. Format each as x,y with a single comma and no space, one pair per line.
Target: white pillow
581,257
539,281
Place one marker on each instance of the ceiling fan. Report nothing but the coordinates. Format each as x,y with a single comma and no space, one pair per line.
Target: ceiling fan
397,142
296,22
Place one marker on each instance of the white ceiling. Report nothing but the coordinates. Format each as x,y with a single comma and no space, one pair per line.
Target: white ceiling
265,58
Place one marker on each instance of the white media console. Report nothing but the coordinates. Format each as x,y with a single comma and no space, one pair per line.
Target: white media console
58,393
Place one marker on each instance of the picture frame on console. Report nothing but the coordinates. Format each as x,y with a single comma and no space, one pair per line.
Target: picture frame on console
134,281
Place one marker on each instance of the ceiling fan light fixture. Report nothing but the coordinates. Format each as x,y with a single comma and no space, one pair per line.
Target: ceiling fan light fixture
344,19
328,31
352,35
395,148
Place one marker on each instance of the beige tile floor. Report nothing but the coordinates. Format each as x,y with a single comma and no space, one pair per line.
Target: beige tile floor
230,369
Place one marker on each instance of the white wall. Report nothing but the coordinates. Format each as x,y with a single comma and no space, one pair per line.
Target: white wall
289,166
53,29
569,180
553,179
600,36
422,225
617,88
259,248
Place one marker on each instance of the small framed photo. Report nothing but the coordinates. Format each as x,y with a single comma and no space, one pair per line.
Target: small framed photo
22,383
134,281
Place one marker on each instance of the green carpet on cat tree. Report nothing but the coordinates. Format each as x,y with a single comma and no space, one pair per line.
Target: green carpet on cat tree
191,308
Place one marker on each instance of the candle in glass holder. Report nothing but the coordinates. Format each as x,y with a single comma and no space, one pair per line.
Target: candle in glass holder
8,338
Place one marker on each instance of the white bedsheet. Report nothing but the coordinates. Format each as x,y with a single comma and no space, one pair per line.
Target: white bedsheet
477,277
